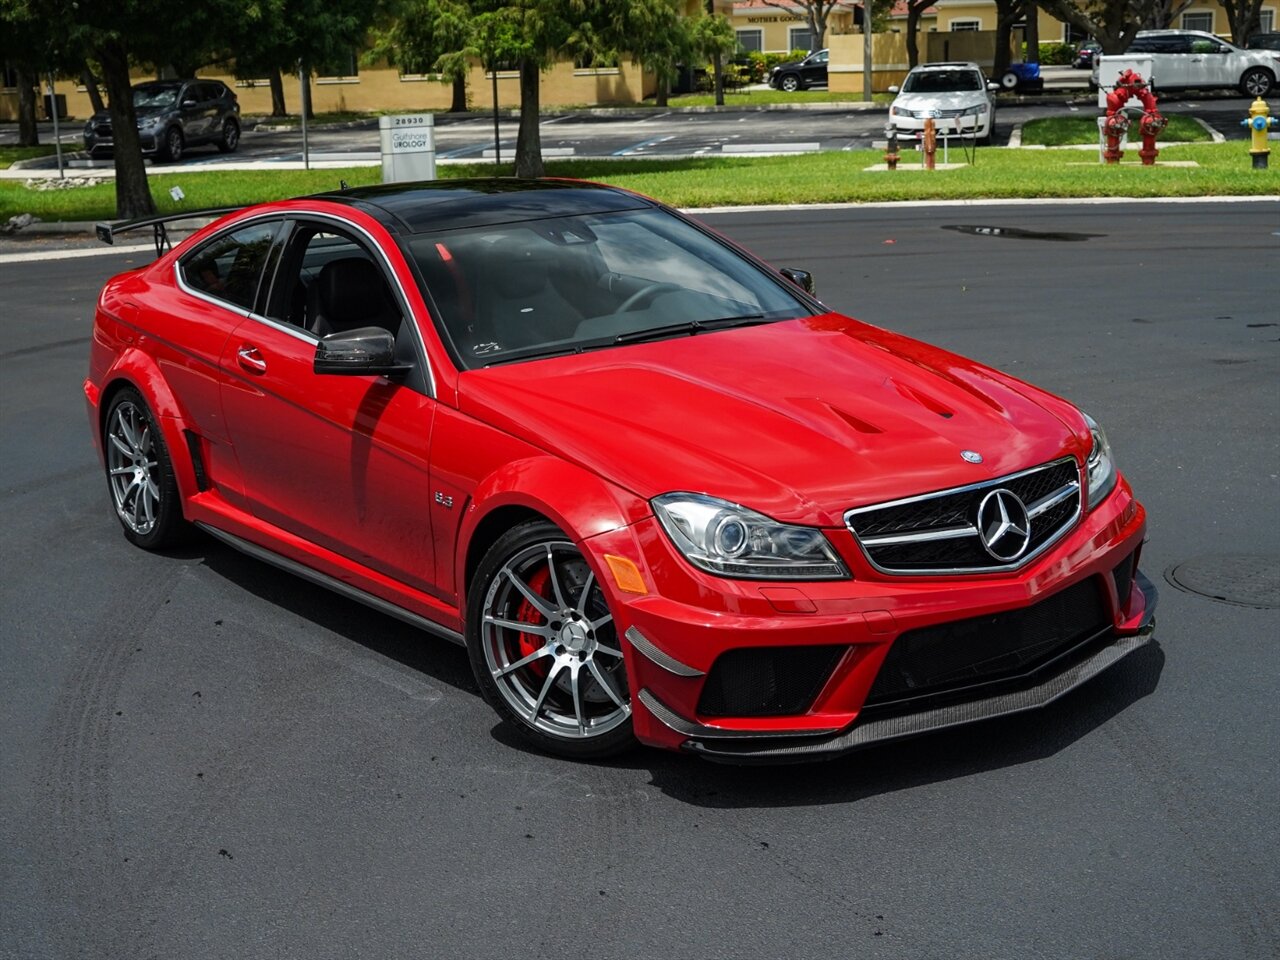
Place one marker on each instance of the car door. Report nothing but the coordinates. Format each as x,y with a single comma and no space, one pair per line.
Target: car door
1212,64
339,461
814,68
215,287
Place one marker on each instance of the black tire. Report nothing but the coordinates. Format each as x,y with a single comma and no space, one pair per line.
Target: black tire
561,683
1257,82
1009,81
230,138
173,146
790,83
140,478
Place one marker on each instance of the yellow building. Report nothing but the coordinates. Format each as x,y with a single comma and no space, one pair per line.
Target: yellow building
781,26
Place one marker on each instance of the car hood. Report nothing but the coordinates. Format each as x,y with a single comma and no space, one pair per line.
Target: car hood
940,101
800,420
142,113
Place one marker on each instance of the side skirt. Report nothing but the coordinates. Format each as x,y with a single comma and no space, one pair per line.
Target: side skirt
331,583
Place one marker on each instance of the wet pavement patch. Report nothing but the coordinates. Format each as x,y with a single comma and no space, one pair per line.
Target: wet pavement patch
1247,581
1017,233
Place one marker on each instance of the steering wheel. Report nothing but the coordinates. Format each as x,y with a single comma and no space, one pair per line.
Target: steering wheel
646,293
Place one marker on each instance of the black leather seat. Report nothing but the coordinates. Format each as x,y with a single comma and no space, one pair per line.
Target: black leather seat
348,294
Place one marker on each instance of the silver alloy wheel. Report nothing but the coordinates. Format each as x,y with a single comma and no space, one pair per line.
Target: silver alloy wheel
231,135
790,83
550,644
133,466
1257,82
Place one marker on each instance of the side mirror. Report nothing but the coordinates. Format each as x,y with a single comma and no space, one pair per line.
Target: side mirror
993,87
894,88
188,104
801,278
368,351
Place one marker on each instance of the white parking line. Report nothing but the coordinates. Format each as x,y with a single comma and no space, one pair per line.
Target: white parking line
36,256
635,147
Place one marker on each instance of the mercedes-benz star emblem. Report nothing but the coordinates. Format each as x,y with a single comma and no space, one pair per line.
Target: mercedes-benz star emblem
973,456
1003,525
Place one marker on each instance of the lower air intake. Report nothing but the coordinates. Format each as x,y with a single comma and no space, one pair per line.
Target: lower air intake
767,681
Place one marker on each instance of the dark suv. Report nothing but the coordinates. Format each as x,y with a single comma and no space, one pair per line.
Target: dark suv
799,74
174,115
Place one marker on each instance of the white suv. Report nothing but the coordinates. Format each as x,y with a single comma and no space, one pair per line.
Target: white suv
1190,59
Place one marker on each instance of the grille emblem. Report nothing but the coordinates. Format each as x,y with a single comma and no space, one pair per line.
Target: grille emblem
973,456
1003,525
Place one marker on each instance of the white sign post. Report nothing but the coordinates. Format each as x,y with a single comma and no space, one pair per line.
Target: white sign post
408,147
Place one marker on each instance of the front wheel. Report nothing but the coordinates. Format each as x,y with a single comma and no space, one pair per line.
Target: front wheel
140,475
544,647
1257,82
790,83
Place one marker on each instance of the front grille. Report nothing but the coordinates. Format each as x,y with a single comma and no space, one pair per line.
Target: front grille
965,653
938,532
766,681
103,130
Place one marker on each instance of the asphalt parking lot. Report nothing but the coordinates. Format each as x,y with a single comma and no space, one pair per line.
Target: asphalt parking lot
204,757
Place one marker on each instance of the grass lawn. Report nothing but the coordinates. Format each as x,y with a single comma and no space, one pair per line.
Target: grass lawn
1223,170
10,155
1061,131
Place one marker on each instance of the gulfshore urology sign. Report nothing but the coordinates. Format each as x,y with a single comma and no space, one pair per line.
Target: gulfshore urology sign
408,147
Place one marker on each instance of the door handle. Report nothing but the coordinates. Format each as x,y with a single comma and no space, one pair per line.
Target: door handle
250,358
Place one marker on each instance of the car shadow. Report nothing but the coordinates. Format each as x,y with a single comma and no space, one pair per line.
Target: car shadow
380,633
874,771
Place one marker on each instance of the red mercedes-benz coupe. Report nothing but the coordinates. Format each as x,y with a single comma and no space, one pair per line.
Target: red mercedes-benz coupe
658,490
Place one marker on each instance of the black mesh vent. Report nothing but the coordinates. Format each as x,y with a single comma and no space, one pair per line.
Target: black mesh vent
950,510
955,655
1123,575
766,681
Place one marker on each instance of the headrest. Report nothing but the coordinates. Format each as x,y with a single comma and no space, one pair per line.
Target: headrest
351,291
526,262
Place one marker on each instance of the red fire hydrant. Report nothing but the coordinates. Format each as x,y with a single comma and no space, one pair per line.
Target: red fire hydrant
929,144
1128,85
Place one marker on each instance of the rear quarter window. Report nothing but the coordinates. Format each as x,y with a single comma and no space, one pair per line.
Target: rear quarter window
229,267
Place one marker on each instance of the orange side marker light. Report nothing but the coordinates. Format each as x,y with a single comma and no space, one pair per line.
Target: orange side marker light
626,574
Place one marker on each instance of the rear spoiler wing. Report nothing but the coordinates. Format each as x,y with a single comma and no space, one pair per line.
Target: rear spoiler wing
107,231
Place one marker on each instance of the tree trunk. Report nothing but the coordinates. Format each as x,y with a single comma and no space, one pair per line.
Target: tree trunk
717,66
529,137
913,35
278,108
28,132
1006,13
1033,33
660,90
459,104
133,196
91,87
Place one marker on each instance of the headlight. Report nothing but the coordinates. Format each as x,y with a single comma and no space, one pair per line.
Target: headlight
1101,465
147,123
732,541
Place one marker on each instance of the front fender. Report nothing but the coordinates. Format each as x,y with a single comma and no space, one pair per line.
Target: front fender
579,502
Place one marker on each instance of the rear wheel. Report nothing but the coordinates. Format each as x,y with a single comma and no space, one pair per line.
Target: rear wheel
1257,82
790,83
140,476
544,647
174,144
230,138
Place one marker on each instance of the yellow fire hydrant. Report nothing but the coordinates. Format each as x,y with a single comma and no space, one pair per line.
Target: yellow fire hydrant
1259,122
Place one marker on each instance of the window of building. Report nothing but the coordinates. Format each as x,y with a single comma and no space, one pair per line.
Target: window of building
750,40
1266,21
800,38
1073,34
1198,20
962,26
344,68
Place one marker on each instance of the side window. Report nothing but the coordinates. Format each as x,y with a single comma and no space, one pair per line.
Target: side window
330,283
230,267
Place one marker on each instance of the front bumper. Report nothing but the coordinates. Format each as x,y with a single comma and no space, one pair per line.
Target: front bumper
97,146
683,633
912,128
1030,692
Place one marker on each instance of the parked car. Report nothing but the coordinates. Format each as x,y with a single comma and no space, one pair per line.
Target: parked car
1085,54
956,96
172,116
1265,41
801,74
1194,60
658,489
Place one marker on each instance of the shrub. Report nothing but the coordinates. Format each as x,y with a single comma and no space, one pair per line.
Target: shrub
1057,54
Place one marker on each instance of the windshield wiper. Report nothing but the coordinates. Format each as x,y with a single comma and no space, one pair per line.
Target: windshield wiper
689,327
544,351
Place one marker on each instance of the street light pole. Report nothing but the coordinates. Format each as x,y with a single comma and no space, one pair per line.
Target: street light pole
53,108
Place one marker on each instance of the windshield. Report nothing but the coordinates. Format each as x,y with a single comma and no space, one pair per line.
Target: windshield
943,81
151,97
566,284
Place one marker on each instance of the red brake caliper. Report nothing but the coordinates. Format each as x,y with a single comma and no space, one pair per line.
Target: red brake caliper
528,613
